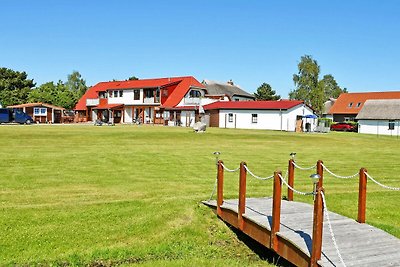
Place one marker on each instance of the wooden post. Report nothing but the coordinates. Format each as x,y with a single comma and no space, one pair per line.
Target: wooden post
290,179
242,195
320,171
318,221
220,187
276,210
362,195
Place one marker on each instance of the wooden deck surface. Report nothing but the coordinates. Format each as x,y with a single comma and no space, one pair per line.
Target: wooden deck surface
359,244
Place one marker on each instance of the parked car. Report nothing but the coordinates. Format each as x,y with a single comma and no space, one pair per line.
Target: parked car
344,126
14,115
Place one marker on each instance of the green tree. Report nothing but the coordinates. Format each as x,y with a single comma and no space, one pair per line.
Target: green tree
330,87
14,87
76,85
45,93
309,88
265,92
133,78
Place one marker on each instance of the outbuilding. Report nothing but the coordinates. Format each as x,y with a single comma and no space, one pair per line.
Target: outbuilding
42,112
380,117
281,115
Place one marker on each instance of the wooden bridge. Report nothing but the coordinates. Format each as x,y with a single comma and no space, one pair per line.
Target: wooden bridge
297,232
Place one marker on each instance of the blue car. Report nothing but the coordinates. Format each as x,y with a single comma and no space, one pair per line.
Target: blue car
14,115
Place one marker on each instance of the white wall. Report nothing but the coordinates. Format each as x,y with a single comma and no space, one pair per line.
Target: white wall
379,127
284,120
188,118
128,114
126,99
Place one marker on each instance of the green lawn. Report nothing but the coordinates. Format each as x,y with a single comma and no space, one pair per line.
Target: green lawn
85,195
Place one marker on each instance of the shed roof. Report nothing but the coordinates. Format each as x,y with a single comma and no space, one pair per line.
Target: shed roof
352,103
38,104
215,88
382,109
253,105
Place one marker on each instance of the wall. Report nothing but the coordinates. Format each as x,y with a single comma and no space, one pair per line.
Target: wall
128,115
284,120
378,127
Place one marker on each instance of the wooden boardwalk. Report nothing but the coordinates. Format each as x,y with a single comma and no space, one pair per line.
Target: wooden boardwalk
298,231
359,244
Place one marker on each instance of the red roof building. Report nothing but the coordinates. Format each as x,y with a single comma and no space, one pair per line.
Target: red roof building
139,100
348,105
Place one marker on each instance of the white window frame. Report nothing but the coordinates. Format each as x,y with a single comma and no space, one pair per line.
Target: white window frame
230,117
39,111
254,118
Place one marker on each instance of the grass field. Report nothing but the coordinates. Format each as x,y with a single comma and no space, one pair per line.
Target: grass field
123,195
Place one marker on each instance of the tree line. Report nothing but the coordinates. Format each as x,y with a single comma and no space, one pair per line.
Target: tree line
308,86
16,88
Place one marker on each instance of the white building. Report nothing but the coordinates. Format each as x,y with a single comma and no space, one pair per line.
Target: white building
380,117
283,115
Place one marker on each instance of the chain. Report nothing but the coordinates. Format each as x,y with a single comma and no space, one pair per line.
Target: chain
338,176
330,229
302,168
294,190
229,170
382,185
258,177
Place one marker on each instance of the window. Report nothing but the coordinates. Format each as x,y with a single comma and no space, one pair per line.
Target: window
121,93
102,95
230,117
39,111
165,92
136,94
109,93
350,104
358,104
254,118
391,125
194,93
115,93
148,93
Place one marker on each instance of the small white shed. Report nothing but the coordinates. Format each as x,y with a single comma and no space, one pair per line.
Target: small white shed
380,117
283,115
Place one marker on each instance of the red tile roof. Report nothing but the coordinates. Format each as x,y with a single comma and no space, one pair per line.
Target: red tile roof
274,105
184,84
357,100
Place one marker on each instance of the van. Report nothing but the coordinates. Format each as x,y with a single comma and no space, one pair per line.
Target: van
14,115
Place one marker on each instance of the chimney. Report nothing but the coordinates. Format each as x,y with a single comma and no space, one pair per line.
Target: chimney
230,82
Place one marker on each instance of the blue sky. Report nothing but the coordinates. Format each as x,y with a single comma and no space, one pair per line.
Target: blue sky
250,42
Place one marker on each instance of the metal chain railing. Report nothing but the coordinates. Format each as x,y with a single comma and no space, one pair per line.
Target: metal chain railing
229,170
330,229
382,185
302,168
294,190
258,177
338,176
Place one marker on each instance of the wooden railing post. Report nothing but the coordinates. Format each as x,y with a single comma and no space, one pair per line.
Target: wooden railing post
320,171
318,225
220,187
276,210
362,195
290,179
242,195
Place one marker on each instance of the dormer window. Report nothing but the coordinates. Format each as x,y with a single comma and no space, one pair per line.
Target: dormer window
350,104
194,94
358,104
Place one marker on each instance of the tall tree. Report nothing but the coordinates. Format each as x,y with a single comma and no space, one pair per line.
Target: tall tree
330,87
265,92
309,88
76,85
14,87
133,78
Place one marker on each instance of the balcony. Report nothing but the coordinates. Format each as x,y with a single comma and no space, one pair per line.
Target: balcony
91,102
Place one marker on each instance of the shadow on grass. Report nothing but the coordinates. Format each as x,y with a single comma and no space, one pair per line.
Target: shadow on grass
262,252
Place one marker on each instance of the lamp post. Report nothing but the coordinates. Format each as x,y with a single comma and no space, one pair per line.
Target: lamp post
315,178
217,153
